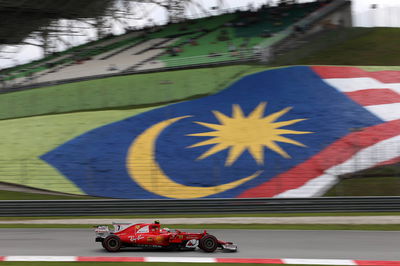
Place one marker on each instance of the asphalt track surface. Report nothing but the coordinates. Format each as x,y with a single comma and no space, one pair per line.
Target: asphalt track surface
362,245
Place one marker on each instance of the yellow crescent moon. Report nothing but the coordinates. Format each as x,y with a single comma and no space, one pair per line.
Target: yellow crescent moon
146,172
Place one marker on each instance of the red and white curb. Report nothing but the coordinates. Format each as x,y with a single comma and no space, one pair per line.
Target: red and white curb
203,260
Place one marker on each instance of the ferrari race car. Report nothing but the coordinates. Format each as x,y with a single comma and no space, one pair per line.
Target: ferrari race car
153,236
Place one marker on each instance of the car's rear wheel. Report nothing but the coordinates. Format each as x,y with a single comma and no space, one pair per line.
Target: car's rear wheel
112,243
208,243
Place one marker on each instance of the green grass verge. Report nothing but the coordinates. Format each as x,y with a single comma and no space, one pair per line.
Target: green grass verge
355,46
366,186
141,90
15,195
380,68
366,227
318,43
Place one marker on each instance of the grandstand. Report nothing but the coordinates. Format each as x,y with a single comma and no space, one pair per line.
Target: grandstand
76,132
234,37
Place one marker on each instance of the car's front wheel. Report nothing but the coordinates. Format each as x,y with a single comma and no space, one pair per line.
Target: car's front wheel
112,243
208,243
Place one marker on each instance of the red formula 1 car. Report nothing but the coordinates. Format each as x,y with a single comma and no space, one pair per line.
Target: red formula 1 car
152,236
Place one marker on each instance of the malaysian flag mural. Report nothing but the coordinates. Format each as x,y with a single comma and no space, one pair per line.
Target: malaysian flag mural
287,132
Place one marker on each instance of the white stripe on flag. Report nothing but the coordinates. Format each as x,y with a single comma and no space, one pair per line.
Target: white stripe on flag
319,261
356,84
380,152
386,112
179,259
40,258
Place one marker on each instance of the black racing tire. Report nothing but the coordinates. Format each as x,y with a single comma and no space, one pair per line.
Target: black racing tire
208,243
112,243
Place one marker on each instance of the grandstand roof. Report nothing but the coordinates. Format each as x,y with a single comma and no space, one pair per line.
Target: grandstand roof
19,18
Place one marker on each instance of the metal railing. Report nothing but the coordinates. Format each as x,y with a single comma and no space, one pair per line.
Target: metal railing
259,205
237,55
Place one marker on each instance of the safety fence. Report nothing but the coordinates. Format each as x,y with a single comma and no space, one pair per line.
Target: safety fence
154,207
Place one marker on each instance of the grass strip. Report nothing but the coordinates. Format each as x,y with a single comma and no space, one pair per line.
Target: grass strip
367,186
16,195
210,215
131,91
361,227
355,46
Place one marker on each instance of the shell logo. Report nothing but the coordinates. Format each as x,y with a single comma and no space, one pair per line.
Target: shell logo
160,239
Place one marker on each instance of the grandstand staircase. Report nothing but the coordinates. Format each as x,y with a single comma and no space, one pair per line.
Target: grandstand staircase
140,65
122,49
289,44
157,46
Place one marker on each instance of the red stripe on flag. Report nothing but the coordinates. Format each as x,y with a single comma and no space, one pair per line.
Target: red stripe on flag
374,96
334,154
237,260
329,72
377,263
392,161
2,258
112,259
386,76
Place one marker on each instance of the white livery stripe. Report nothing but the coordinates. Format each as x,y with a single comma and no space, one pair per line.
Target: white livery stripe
179,259
387,112
356,84
319,262
40,258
